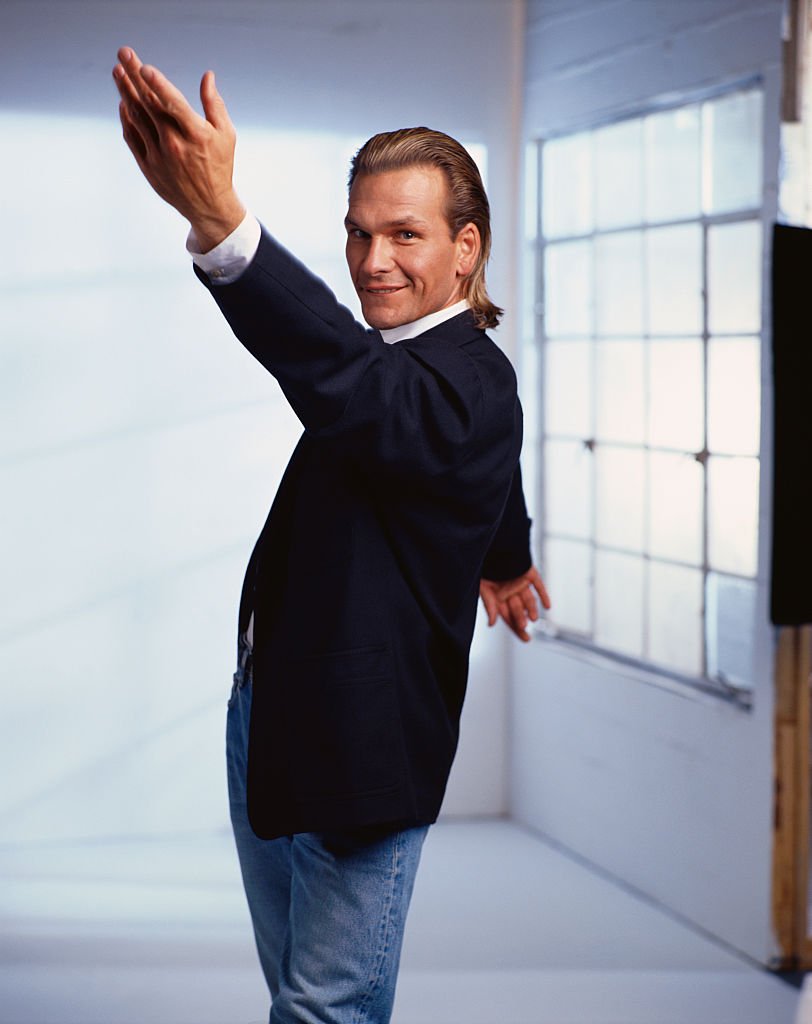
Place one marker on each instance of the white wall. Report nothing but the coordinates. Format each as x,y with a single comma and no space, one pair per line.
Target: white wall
142,445
668,789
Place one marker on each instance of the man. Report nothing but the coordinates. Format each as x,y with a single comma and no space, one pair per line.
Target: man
402,502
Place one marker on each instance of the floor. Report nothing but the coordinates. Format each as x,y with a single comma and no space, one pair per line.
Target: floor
504,929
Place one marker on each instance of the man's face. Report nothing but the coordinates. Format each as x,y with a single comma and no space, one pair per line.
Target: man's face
402,259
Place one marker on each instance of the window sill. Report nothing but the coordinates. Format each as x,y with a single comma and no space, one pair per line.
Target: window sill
705,690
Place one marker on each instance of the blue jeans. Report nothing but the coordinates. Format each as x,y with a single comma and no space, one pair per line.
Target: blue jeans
328,908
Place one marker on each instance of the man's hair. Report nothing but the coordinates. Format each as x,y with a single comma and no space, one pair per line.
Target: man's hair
467,201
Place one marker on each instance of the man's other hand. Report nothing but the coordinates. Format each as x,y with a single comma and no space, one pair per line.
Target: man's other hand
514,600
188,159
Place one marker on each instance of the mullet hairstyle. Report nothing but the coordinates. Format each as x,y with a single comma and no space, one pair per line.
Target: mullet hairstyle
467,202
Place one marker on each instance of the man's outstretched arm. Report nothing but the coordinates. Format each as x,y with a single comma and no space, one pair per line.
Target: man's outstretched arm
186,158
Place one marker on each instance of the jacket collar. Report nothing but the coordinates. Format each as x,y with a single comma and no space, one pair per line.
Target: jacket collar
417,327
457,331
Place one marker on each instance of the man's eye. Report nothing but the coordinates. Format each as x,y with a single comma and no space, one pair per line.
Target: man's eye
358,233
408,235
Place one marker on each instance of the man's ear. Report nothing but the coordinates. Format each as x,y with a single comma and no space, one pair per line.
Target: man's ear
468,245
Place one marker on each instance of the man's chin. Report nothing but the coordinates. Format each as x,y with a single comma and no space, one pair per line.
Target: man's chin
381,321
381,325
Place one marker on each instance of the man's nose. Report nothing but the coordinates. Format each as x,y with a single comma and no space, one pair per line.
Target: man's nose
378,258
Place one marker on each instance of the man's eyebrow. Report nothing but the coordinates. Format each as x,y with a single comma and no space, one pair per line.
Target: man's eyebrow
399,222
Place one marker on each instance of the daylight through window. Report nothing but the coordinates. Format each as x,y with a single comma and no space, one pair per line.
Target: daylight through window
651,255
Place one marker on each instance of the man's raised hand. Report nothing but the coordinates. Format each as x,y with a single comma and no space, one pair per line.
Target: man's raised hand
514,601
188,159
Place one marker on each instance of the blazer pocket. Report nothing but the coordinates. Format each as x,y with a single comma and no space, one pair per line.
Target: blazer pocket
346,724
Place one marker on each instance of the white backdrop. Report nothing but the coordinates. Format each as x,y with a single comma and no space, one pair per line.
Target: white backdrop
141,445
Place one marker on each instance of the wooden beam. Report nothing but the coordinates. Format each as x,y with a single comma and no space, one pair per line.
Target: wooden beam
791,831
795,48
803,765
785,841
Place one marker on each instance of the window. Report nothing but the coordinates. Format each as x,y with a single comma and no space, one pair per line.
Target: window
650,248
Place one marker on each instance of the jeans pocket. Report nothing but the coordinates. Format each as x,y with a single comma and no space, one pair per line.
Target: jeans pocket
235,689
242,677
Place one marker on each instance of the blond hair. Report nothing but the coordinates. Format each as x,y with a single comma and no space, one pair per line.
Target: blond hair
467,201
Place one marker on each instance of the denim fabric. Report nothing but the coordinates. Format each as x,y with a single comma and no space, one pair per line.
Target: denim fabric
328,908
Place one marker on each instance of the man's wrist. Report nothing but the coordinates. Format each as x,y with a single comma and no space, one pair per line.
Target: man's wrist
228,260
210,230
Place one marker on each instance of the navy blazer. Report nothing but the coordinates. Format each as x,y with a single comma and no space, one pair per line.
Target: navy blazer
402,492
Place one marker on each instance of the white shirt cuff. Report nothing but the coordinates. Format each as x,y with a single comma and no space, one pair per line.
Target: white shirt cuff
226,262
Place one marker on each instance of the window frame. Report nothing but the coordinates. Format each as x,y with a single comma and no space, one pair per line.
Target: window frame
536,333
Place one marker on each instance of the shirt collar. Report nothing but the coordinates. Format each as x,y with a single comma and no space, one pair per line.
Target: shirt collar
425,323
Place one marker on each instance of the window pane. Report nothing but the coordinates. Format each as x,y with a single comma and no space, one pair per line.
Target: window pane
619,283
567,186
734,395
619,602
676,396
568,288
568,575
619,174
619,497
730,618
674,279
568,488
672,164
675,507
732,155
531,195
675,617
734,278
528,297
568,388
619,379
733,515
531,449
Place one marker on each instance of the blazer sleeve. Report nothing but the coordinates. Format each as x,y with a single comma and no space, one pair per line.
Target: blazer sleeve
392,403
509,554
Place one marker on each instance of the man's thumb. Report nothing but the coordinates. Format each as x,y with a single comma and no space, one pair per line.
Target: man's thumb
213,106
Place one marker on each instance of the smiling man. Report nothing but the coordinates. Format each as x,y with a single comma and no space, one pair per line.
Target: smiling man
400,505
402,257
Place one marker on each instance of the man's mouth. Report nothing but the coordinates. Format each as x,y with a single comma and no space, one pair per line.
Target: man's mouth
380,290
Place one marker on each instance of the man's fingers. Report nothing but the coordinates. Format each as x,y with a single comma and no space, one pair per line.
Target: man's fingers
541,590
131,134
517,606
511,587
137,116
139,100
530,604
159,98
125,86
128,92
169,101
135,86
127,55
490,602
517,612
531,578
515,601
516,618
516,623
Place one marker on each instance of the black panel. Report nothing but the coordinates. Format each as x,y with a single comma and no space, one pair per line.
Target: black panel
791,591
